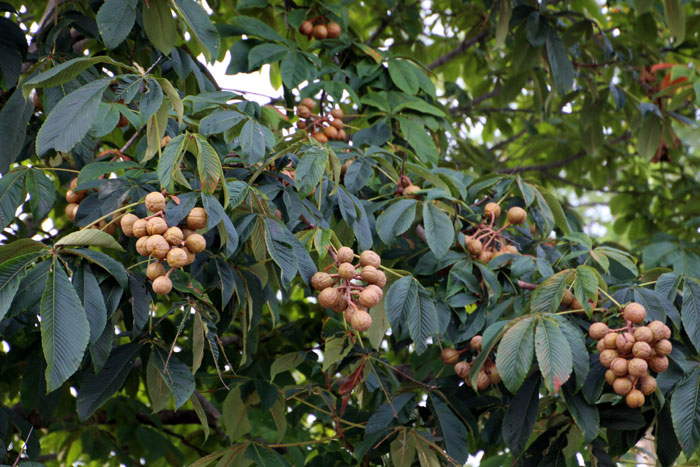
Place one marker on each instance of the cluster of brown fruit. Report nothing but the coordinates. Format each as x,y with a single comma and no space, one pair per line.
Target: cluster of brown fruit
74,198
487,242
175,245
320,31
344,292
630,352
569,302
321,128
488,374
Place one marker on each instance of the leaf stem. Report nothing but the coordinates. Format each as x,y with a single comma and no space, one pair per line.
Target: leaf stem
610,298
110,214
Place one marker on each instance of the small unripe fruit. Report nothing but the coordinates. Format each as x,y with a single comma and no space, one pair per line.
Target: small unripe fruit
319,32
659,330
337,124
462,369
346,271
341,305
321,280
634,312
622,386
196,243
474,246
73,197
156,226
309,103
303,111
71,211
635,399
607,356
328,297
492,209
449,356
513,250
475,343
331,132
483,381
568,298
647,384
74,184
485,256
361,320
177,258
610,341
663,347
162,285
345,255
140,228
637,367
369,298
370,258
174,236
306,28
376,289
155,270
158,246
196,219
516,215
369,274
643,334
598,331
155,201
127,224
658,363
411,191
625,342
600,345
333,30
494,376
610,377
141,246
381,281
619,366
320,137
641,350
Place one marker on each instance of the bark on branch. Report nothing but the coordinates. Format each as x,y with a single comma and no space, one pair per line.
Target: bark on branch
463,46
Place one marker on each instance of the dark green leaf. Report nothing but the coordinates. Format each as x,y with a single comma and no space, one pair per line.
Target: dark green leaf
264,456
439,231
257,28
220,121
252,141
422,320
649,136
310,169
266,53
200,26
159,24
400,299
403,74
295,68
386,413
88,290
419,138
559,62
454,433
547,297
685,412
577,342
585,415
176,375
515,352
675,19
553,354
11,273
396,219
42,192
690,311
63,72
90,237
14,115
520,417
170,161
112,266
10,196
115,18
208,165
280,250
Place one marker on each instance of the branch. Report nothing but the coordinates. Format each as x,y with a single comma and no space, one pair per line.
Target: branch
385,22
458,50
526,285
507,141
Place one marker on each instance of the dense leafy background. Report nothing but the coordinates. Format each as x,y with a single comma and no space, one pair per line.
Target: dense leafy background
530,104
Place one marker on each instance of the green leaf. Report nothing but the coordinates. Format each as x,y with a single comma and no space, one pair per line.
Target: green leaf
515,352
159,24
201,415
169,162
619,256
649,136
158,391
295,68
585,415
97,389
420,106
200,26
65,72
557,212
387,412
585,285
20,247
403,74
310,169
155,130
110,265
264,456
439,231
252,141
577,342
266,53
335,350
42,192
257,28
674,13
504,14
560,65
401,298
176,375
403,450
395,220
208,165
690,311
553,354
490,337
90,237
88,290
65,331
173,97
199,337
454,433
71,118
11,185
286,362
685,412
11,273
220,121
547,297
115,18
419,139
235,415
281,251
519,419
14,116
422,320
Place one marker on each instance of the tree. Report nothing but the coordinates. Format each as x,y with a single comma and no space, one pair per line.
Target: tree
381,268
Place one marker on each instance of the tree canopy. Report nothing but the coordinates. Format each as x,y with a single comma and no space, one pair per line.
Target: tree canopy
388,265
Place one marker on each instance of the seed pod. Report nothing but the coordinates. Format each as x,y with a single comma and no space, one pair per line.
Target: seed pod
600,345
158,246
598,331
361,320
73,197
155,201
449,356
568,298
462,369
337,124
622,386
647,384
494,375
337,113
303,111
634,312
190,255
610,377
319,32
155,270
641,349
485,256
625,342
333,30
71,211
475,343
174,236
513,250
140,228
516,215
196,219
643,334
483,381
637,367
127,224
302,125
177,258
658,363
370,258
658,330
320,137
474,246
187,232
492,208
635,399
376,289
607,356
306,28
156,226
345,255
141,246
309,103
663,347
368,298
341,305
162,285
321,280
369,274
610,340
196,243
341,135
619,366
328,297
381,281
346,271
331,132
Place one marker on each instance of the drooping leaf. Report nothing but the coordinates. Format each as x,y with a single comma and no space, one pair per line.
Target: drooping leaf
310,169
403,74
685,412
547,297
42,192
11,186
88,290
520,417
386,413
200,26
11,273
453,430
515,352
396,219
553,354
234,415
422,320
585,415
14,116
159,25
176,375
115,18
208,165
439,231
559,61
252,140
675,19
220,121
690,311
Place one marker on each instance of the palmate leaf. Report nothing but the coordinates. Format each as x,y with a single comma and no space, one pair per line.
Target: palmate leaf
115,18
176,375
685,411
310,169
439,231
547,297
396,219
690,311
200,26
90,237
553,354
453,430
515,353
208,165
520,417
11,273
42,192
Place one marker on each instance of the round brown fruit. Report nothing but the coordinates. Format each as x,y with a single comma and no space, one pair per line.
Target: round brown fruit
567,298
610,340
337,124
625,342
449,356
659,330
162,285
663,347
492,209
641,349
158,246
337,114
127,224
381,281
174,236
598,331
369,298
411,191
71,211
474,246
155,270
494,375
309,103
320,137
346,271
331,132
73,197
177,258
347,314
622,386
475,343
517,215
196,243
140,228
190,255
320,32
647,384
321,280
302,125
607,356
306,28
345,255
165,141
637,367
304,112
141,246
328,297
155,201
513,250
377,289
341,305
462,369
370,258
634,312
600,345
156,226
333,30
610,377
196,219
361,320
619,366
483,381
341,135
643,334
369,274
485,256
658,363
635,399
